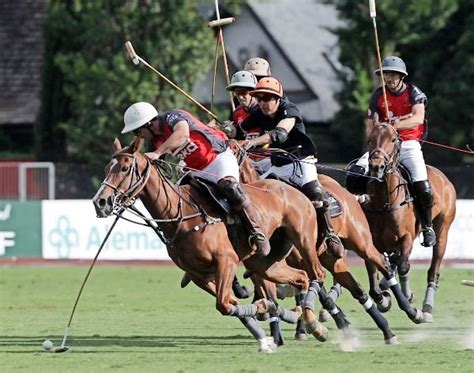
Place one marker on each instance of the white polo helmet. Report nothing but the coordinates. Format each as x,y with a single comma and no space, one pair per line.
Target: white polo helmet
137,115
242,79
258,66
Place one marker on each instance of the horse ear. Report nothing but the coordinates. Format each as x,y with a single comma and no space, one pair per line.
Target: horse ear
136,144
117,145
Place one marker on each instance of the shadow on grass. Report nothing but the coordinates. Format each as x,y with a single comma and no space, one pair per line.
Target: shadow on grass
153,341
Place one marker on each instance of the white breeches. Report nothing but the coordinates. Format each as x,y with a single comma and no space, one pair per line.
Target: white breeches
295,174
224,165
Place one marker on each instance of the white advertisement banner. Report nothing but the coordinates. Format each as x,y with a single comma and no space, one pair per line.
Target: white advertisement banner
460,236
71,230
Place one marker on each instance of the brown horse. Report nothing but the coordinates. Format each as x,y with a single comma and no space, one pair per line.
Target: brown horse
392,214
352,227
197,239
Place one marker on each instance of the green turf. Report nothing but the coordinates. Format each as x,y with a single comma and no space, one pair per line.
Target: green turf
137,319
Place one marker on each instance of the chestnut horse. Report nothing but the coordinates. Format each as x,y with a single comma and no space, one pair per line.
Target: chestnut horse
392,214
197,240
352,227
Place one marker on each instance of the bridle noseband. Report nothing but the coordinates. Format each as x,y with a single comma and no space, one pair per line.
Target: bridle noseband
390,160
137,182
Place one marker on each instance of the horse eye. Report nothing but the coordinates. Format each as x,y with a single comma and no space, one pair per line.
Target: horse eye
124,169
393,140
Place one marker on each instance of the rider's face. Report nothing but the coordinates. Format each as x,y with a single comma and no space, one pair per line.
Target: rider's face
268,103
392,80
245,100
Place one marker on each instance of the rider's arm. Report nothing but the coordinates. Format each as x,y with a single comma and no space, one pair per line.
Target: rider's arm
286,124
179,136
414,120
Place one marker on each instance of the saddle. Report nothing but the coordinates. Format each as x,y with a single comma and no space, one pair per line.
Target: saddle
210,189
334,208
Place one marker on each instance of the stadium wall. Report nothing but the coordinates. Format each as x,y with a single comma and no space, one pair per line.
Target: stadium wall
69,229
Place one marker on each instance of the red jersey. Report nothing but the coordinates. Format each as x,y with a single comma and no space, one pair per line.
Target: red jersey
203,144
399,105
238,116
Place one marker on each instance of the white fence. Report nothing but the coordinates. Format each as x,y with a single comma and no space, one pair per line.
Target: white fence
27,180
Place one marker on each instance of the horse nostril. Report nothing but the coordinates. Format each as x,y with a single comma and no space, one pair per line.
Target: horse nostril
101,202
110,200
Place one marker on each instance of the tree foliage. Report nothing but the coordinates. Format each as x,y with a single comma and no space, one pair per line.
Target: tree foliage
436,40
90,82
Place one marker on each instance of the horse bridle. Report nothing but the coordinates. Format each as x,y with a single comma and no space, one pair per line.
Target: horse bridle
390,160
391,163
127,197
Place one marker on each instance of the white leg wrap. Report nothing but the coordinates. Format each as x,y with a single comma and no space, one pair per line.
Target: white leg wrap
367,305
392,281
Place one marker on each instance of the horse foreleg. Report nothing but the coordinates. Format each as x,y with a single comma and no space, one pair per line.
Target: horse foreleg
344,277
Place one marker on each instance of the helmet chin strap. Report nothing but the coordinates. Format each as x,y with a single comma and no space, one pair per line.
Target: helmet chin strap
399,86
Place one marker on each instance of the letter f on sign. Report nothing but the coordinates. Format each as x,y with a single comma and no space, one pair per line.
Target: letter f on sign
6,240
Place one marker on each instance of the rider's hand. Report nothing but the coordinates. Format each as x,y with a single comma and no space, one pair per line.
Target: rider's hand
246,144
154,156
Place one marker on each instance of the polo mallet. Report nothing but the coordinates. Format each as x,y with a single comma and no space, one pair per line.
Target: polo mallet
373,15
63,347
219,23
136,59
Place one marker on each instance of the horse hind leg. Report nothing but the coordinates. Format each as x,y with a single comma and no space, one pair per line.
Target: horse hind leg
439,250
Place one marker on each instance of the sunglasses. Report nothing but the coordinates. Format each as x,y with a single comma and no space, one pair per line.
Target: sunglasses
266,98
137,131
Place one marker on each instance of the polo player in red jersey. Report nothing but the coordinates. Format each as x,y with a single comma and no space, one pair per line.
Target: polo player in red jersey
406,112
205,152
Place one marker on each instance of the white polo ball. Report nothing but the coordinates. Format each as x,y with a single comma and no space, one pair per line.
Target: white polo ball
48,345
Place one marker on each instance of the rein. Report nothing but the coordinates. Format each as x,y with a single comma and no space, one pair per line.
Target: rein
126,199
391,162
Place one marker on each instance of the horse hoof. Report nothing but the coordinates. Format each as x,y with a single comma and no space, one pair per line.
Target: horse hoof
386,303
265,305
301,336
411,297
324,315
267,345
185,280
427,317
392,341
418,318
318,330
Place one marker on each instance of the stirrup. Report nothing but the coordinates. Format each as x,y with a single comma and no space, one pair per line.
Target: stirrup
260,240
429,237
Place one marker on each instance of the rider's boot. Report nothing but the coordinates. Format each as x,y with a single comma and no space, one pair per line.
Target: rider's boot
237,197
424,198
333,242
315,192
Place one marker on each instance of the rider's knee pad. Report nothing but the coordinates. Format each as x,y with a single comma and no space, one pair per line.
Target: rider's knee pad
234,193
354,183
313,191
423,193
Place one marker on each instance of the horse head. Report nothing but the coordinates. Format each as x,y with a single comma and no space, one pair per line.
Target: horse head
126,175
384,150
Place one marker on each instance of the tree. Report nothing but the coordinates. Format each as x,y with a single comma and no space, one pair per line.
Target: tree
89,81
435,40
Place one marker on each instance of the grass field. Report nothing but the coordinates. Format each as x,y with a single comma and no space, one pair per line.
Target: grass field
137,319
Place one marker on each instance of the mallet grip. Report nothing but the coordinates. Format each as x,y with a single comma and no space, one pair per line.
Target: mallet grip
221,22
372,10
131,53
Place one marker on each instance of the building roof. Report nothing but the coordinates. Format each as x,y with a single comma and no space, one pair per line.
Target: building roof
295,37
21,38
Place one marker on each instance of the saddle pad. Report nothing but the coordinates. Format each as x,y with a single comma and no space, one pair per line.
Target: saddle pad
335,209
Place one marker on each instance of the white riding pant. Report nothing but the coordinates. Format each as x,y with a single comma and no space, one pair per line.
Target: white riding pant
262,165
295,174
411,157
224,165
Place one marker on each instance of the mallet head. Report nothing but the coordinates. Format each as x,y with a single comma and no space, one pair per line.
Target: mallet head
131,53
